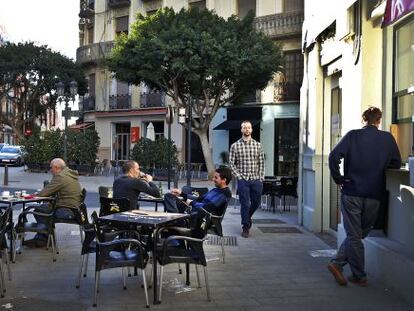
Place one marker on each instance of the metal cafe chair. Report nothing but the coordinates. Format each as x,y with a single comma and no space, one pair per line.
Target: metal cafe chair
181,246
118,253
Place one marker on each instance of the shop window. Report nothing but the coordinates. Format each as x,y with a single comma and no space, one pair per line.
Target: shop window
403,73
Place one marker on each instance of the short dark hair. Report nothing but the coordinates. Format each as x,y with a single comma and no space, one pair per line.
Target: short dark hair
128,165
372,115
225,173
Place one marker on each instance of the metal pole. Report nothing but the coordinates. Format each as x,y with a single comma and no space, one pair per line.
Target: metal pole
169,151
6,175
65,141
190,112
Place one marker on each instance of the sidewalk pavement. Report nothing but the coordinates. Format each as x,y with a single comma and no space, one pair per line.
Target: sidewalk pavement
267,271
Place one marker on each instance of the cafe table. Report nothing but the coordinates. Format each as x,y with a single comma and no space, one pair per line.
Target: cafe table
143,197
13,201
151,220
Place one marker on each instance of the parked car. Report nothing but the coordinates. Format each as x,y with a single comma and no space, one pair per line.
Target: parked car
12,155
2,145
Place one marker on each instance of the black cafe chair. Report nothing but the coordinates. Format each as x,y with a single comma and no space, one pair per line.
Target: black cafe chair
80,215
185,246
288,187
118,253
4,257
216,228
113,205
47,227
271,188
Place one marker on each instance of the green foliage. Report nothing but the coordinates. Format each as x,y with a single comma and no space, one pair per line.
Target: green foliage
151,154
196,54
34,71
82,147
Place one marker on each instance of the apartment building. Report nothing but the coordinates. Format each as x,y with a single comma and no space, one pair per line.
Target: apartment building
359,53
117,109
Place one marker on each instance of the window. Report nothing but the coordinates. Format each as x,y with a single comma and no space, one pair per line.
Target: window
293,70
90,35
293,6
201,5
121,25
403,73
244,6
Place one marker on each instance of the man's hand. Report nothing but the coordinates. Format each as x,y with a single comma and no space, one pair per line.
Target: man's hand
175,191
188,201
148,177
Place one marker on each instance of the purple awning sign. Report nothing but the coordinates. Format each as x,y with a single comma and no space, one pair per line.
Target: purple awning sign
396,9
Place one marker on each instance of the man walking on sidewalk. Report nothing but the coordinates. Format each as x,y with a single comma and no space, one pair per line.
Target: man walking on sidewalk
247,163
367,153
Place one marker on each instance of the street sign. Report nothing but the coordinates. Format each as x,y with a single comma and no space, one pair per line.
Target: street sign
71,113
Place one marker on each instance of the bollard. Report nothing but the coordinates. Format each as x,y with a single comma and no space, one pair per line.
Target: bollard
6,175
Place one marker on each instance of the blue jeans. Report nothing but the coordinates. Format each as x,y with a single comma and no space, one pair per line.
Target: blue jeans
250,197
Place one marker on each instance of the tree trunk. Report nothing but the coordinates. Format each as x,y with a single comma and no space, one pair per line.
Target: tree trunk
206,151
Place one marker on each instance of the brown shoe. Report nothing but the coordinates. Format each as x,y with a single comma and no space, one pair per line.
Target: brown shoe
336,271
358,281
245,233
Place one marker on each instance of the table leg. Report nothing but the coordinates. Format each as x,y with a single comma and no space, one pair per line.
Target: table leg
12,244
187,274
154,267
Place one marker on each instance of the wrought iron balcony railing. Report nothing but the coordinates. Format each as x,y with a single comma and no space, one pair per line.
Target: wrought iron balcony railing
92,53
120,101
118,3
87,103
150,100
280,25
87,8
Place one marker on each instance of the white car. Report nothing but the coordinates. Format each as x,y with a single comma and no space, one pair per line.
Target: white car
12,155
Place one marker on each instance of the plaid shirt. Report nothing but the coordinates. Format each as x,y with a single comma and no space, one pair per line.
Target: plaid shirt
247,159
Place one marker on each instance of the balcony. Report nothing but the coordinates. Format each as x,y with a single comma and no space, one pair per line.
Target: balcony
120,101
113,4
280,25
93,53
87,8
87,103
151,100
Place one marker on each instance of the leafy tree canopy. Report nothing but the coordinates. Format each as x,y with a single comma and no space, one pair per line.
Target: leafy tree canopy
28,77
196,53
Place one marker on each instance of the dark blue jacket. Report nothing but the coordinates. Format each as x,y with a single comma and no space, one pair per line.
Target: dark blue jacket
367,153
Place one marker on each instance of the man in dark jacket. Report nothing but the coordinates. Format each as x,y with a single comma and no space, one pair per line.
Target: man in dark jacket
367,153
132,183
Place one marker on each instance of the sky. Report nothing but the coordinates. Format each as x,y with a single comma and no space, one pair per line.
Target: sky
46,22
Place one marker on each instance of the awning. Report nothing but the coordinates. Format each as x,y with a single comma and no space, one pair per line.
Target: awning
394,10
233,124
82,126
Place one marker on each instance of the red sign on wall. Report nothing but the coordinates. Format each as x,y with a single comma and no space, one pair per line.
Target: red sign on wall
135,134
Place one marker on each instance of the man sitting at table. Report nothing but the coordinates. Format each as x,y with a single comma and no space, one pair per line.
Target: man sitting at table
132,183
65,184
213,201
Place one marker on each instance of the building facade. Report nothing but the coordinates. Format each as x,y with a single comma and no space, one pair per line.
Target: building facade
354,59
117,109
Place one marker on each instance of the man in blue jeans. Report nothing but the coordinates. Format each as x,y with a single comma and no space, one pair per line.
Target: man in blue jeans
247,163
367,153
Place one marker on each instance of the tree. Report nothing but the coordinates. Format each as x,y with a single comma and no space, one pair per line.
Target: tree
28,77
196,54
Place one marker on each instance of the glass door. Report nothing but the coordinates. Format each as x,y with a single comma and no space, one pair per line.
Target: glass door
286,147
336,108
